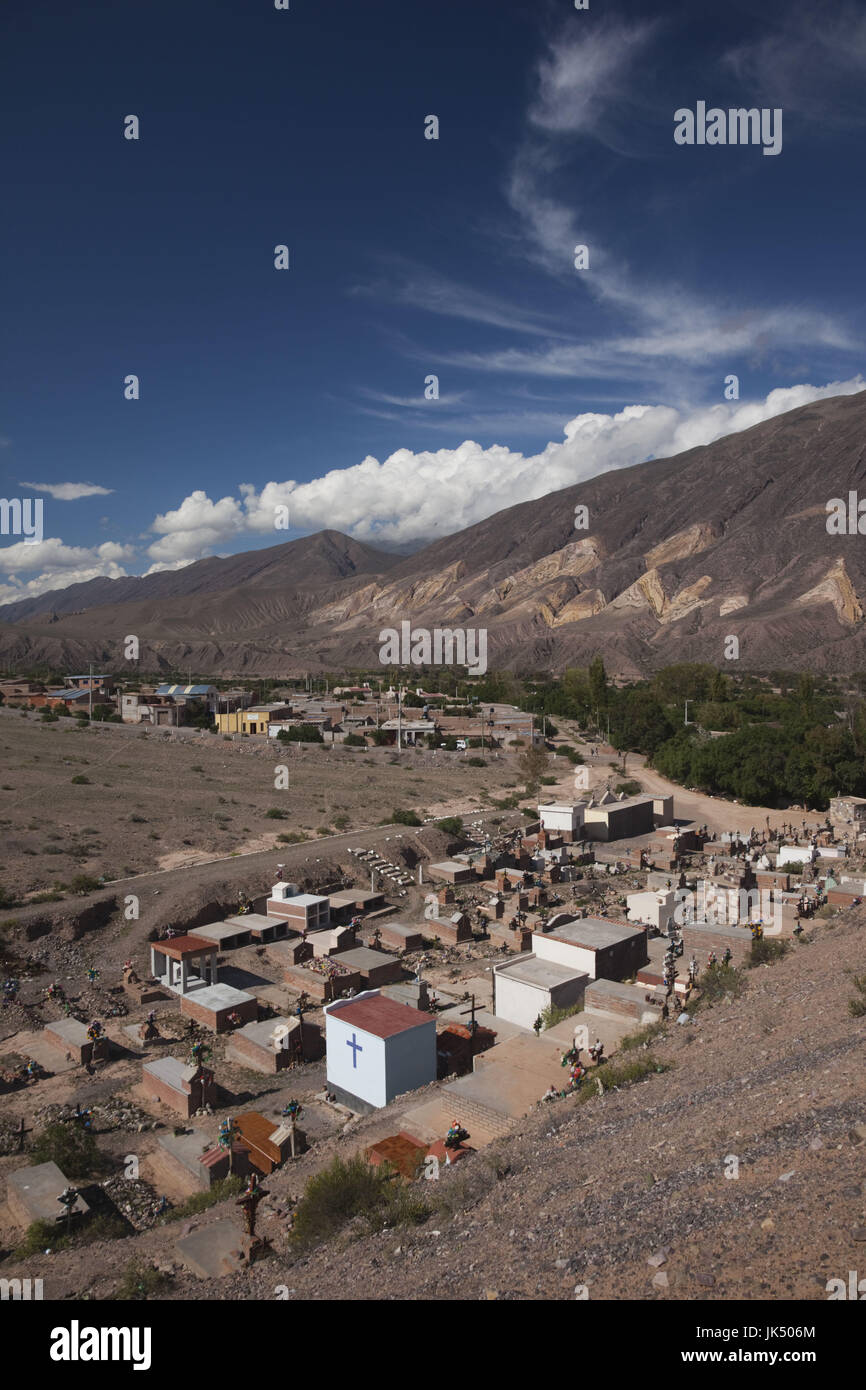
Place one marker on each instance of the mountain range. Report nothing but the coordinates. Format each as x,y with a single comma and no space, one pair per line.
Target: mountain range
660,562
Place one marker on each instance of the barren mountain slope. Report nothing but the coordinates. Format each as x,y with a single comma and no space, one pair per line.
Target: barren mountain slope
669,558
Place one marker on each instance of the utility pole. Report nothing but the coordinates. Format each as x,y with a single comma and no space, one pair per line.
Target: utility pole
90,691
399,718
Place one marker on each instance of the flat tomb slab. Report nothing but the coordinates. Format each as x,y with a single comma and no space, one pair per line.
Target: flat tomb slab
213,1251
223,934
67,1032
371,965
401,938
32,1194
617,998
260,927
186,1151
545,974
212,1005
218,997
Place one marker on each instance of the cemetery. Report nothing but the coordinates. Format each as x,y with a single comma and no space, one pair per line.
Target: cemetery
387,1025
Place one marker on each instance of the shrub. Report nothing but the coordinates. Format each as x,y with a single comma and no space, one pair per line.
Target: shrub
857,1004
405,818
790,868
630,787
73,1150
641,1036
200,1201
452,825
83,883
619,1074
300,733
552,1015
721,982
348,1190
275,814
765,951
475,762
341,822
139,1281
80,780
293,838
354,741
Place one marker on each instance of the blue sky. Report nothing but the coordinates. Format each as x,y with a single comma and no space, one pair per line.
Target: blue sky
409,258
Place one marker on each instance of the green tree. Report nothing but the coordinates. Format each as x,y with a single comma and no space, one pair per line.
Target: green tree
597,684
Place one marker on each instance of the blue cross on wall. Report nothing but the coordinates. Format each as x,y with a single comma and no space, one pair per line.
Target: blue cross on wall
356,1048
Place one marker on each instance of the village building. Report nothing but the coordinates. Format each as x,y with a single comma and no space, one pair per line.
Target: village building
143,707
377,1049
255,719
206,695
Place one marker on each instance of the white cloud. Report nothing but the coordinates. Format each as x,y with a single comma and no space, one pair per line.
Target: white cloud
59,566
412,496
53,555
69,492
171,565
587,75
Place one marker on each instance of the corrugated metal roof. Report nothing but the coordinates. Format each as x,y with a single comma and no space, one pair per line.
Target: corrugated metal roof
380,1016
184,689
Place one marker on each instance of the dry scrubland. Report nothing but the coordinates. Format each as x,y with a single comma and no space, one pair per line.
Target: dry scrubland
153,801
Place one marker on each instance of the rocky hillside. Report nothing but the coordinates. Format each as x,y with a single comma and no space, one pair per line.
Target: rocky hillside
670,558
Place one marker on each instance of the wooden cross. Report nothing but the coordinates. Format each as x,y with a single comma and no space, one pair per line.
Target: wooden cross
471,1010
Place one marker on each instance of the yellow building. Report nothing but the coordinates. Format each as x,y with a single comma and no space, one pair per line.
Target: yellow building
254,720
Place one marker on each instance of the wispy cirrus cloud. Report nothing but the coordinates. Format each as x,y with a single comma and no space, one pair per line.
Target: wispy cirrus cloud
405,282
811,63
